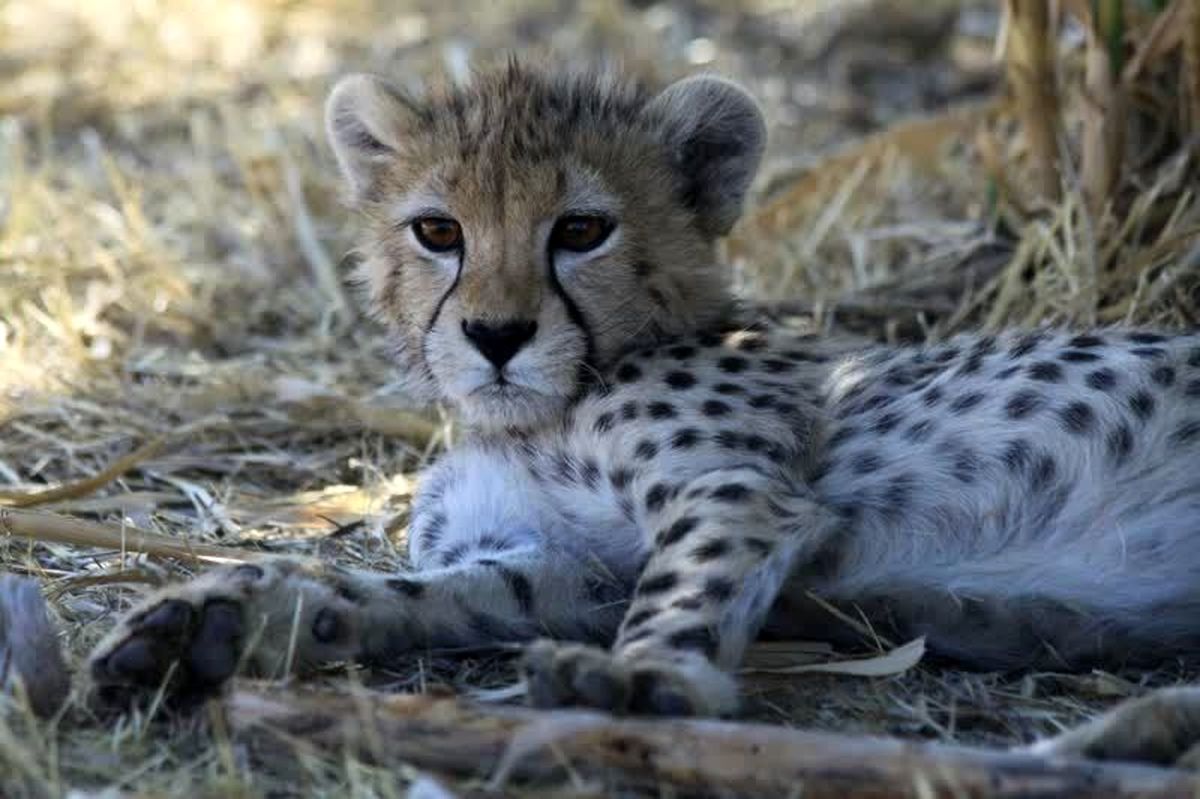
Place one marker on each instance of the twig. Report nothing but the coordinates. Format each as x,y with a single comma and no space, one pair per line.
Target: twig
86,486
52,527
506,742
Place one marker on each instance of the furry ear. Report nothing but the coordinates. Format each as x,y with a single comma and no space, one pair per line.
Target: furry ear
365,120
715,134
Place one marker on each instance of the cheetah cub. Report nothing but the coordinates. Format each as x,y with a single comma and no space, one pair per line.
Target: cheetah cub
652,482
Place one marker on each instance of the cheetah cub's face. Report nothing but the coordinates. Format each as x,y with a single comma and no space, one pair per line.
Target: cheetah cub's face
526,229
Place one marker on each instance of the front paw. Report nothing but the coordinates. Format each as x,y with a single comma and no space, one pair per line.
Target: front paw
564,674
189,639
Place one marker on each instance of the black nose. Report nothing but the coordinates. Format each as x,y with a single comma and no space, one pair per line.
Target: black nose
499,342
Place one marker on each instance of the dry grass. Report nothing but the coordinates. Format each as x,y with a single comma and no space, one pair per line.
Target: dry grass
170,247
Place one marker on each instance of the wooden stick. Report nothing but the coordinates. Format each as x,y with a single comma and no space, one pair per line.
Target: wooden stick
59,529
502,742
89,484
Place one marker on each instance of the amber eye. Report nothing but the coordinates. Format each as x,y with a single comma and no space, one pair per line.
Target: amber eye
580,233
438,234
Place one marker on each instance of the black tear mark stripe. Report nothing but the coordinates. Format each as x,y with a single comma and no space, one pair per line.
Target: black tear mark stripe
585,373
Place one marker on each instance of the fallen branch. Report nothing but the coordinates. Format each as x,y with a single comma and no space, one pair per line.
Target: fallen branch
503,742
58,529
82,488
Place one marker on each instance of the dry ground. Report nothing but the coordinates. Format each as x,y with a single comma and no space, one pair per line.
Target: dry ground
171,248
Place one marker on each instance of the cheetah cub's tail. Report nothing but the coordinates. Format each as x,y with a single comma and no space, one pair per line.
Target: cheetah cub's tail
31,660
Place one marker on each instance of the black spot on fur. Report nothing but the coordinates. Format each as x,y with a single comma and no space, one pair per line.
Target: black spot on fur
965,465
984,346
932,396
866,462
628,372
758,546
718,588
658,584
661,410
1078,356
800,356
899,493
728,439
1120,442
1046,371
971,366
1142,404
603,423
410,588
710,550
728,388
1044,471
1086,342
685,438
645,449
1163,376
755,443
629,411
492,543
714,407
590,473
699,638
454,554
1187,432
762,401
620,477
680,380
946,355
1140,337
1149,353
640,617
878,401
730,492
1078,417
681,352
677,531
886,423
732,364
637,635
919,431
1101,380
1192,389
1016,455
841,436
1007,372
643,268
1022,404
1026,344
777,365
966,402
692,602
656,497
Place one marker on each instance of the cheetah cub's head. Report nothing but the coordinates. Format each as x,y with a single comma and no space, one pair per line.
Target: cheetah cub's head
525,230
